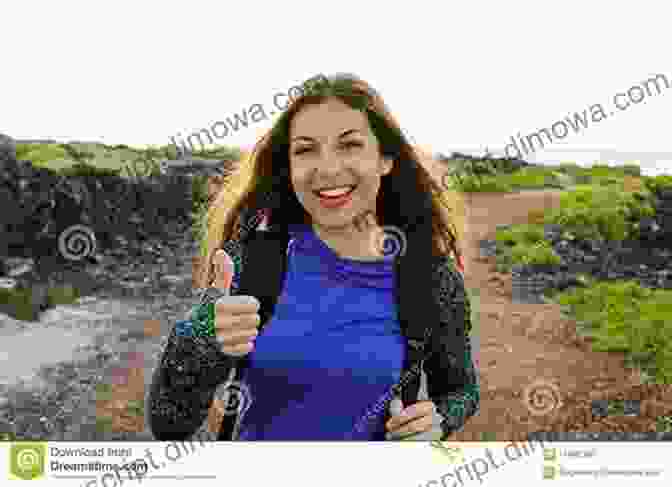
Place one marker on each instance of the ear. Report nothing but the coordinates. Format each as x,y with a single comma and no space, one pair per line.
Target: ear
386,164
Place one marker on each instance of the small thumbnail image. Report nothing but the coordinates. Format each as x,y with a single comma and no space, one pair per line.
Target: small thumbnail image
550,472
550,454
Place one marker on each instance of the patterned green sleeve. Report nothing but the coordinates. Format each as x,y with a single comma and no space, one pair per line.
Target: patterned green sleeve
452,377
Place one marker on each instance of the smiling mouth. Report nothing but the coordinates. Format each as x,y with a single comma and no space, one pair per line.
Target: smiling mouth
334,192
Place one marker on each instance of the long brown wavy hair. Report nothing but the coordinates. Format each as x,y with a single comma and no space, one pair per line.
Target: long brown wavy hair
408,196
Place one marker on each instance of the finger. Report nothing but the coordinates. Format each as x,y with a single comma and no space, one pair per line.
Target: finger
432,434
396,407
237,305
239,338
242,323
223,271
410,413
418,425
239,349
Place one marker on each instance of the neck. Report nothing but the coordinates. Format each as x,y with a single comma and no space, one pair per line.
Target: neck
350,242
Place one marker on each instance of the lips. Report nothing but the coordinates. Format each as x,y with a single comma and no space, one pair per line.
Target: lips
334,192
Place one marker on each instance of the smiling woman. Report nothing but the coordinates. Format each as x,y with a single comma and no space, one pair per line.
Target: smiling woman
323,320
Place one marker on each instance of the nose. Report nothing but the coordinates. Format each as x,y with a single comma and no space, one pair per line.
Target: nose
330,163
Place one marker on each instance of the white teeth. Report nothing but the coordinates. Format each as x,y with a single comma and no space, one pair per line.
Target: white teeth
331,193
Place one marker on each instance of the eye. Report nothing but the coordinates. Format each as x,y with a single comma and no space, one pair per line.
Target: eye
301,150
352,144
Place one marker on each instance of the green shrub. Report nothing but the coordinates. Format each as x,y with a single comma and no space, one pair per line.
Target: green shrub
569,168
532,178
199,226
219,152
664,424
520,234
658,183
474,184
632,170
19,303
583,178
66,294
84,169
40,154
539,253
199,189
504,261
626,317
593,212
610,181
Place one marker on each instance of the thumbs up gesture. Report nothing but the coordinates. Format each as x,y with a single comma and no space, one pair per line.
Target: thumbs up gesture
236,317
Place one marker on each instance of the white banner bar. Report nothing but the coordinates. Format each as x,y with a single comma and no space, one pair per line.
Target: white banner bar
392,464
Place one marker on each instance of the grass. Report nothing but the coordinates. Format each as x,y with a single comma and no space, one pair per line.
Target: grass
117,158
103,392
561,176
664,424
623,316
19,303
104,424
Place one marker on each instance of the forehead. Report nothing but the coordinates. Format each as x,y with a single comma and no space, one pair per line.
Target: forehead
328,119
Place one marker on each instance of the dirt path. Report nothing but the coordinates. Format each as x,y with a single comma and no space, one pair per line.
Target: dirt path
530,351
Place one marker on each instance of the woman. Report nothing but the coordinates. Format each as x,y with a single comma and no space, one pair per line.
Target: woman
322,355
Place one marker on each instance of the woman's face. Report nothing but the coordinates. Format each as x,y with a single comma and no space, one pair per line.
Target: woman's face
335,163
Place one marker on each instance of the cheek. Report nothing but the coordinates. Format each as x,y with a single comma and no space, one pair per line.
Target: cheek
369,186
299,182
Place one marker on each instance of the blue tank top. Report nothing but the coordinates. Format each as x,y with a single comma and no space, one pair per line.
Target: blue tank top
332,348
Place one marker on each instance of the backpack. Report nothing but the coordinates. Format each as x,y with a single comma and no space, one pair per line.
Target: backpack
265,256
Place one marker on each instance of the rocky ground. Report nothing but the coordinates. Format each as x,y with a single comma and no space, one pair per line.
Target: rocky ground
647,261
81,372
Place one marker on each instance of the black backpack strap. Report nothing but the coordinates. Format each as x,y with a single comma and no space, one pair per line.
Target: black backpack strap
418,311
264,267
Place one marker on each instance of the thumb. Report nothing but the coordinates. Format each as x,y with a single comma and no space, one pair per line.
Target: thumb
223,271
396,406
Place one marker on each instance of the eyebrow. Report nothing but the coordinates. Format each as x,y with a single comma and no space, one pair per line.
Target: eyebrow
344,134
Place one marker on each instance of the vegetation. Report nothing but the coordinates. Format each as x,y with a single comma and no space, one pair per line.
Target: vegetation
539,253
619,316
603,213
523,244
485,175
623,316
664,424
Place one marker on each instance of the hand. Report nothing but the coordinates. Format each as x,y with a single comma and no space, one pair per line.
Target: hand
236,317
419,421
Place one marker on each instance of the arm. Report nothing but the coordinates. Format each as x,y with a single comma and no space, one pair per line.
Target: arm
184,382
452,380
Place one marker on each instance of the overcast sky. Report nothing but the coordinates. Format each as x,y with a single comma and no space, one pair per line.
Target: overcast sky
458,75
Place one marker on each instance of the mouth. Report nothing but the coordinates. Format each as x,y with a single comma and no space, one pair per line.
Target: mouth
334,192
